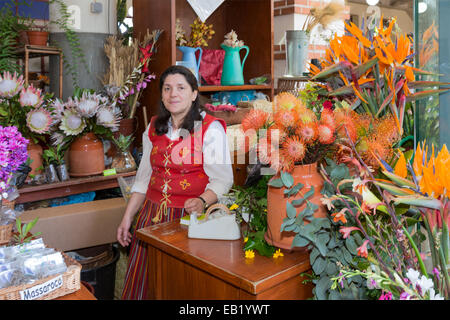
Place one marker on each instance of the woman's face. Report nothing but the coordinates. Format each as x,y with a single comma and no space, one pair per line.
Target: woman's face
177,95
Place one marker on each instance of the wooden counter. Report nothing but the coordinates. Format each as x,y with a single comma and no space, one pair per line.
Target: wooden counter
82,294
184,268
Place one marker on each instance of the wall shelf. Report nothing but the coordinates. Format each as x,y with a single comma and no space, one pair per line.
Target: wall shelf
234,88
30,193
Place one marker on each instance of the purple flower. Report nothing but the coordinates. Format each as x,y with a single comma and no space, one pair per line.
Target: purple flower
386,296
436,273
405,296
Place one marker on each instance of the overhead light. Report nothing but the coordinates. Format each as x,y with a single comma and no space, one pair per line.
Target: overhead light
372,2
422,7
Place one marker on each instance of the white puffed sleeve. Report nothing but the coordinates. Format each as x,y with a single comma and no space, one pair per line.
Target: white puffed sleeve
217,160
144,171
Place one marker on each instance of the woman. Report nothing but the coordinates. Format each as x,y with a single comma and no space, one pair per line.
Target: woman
185,167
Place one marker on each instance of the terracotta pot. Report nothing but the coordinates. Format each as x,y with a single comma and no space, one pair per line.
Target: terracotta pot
276,204
35,153
86,156
127,127
37,38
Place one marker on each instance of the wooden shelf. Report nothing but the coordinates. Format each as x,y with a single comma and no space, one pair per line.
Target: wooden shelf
73,186
234,88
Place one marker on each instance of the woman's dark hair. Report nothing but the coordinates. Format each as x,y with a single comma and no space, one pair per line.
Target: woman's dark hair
161,122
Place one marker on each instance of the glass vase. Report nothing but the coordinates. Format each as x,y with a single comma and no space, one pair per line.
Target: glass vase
123,161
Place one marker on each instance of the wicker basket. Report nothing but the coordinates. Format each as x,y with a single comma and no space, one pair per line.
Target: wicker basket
5,233
70,283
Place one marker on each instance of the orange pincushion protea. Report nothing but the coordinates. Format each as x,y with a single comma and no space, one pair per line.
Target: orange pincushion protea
308,132
307,115
326,134
294,148
286,101
280,162
327,117
285,118
386,127
255,119
265,150
378,148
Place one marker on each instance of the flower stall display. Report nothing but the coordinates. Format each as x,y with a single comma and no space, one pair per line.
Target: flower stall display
373,72
79,124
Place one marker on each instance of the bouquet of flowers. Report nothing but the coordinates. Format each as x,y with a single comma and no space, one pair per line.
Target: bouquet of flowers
291,134
24,107
85,112
200,34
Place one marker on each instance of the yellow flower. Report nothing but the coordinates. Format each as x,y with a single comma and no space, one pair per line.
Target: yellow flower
277,254
249,254
245,239
233,207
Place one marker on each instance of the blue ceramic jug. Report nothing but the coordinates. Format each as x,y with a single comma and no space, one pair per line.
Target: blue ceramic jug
233,70
190,61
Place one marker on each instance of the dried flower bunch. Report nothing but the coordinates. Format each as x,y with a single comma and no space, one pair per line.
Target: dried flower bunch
129,74
231,40
200,34
323,16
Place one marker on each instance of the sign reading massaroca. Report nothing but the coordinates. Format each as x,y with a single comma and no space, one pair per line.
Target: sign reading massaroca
41,289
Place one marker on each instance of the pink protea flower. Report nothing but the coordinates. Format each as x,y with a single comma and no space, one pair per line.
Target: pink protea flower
31,97
88,105
10,85
39,120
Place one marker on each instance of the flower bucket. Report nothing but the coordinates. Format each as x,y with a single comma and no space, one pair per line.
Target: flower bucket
297,42
276,204
86,156
35,152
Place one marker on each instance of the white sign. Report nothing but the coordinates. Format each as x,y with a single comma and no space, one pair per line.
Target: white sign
41,289
204,8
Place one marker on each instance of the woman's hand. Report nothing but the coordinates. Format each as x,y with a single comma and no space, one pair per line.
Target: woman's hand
123,233
194,205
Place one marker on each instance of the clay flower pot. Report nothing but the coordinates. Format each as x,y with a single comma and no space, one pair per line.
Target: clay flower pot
35,152
86,156
276,204
38,38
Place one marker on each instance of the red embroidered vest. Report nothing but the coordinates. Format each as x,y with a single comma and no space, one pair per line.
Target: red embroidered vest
177,167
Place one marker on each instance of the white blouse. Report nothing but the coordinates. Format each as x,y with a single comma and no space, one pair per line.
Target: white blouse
216,157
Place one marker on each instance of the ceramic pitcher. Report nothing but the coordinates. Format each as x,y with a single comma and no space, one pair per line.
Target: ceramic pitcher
190,61
233,69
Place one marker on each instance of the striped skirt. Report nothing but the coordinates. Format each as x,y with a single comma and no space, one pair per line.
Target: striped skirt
135,287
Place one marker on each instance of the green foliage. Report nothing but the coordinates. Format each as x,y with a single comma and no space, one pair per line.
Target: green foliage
121,15
123,142
24,234
253,201
329,251
10,26
55,154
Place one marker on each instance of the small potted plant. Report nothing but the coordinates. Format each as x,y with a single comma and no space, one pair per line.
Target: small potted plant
37,34
55,164
123,161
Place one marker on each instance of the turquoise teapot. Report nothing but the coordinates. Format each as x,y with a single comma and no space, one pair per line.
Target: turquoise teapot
190,61
233,70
